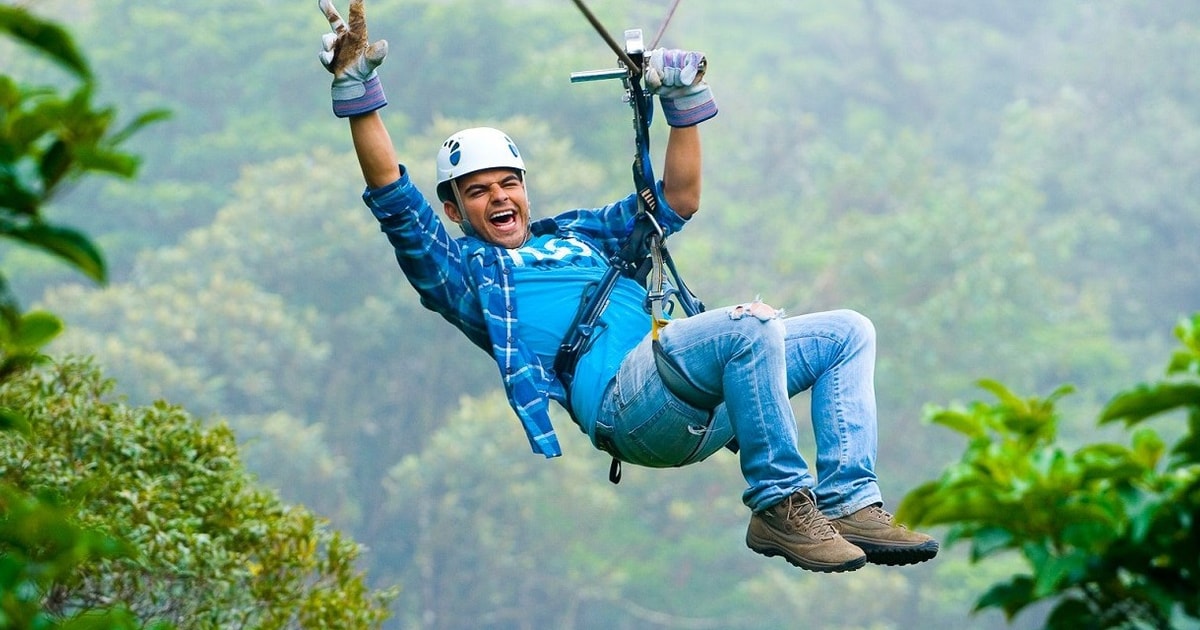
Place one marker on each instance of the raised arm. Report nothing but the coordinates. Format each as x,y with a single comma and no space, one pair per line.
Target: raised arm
356,91
681,171
677,77
373,145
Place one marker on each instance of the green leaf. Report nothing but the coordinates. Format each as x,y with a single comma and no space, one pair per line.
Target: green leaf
70,245
12,420
1145,401
1004,394
1009,596
963,423
45,36
55,164
1183,362
989,540
1142,509
1148,447
144,119
1059,573
37,328
16,196
1071,614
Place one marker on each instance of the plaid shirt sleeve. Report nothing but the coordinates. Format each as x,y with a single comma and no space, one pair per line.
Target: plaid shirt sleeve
609,226
526,382
432,261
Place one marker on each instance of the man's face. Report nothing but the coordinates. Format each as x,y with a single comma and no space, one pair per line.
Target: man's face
495,205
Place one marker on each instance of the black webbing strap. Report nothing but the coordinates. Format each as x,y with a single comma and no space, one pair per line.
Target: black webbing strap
631,261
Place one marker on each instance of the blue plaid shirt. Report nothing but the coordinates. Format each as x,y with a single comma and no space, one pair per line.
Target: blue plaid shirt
469,283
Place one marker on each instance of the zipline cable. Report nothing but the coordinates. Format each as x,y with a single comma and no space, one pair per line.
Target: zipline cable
621,54
662,29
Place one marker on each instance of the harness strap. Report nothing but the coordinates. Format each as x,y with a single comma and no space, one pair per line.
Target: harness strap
631,261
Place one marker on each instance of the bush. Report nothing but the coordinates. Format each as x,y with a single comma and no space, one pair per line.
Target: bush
1110,533
209,547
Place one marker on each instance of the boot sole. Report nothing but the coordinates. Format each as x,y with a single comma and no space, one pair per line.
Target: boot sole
768,549
892,555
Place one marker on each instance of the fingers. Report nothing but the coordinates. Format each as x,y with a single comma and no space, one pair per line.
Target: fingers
335,19
358,19
701,65
328,50
689,63
342,48
651,70
675,68
377,51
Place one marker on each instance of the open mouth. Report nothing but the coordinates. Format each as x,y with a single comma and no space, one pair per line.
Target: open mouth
502,219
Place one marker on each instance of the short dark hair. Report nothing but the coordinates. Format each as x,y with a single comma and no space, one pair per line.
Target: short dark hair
446,193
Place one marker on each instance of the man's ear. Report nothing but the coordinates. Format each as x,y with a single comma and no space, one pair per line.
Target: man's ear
451,210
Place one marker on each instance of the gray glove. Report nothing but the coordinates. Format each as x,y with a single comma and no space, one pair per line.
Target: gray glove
677,77
346,53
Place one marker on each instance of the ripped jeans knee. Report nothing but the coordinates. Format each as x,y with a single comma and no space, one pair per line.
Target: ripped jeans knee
759,309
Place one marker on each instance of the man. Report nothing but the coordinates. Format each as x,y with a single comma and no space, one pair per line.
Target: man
747,357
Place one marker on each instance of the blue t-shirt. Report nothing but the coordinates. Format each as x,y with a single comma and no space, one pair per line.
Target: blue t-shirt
550,274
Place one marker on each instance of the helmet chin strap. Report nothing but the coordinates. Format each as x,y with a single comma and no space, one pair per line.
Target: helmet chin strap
464,224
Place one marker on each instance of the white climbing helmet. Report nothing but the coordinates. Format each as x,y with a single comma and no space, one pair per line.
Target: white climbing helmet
476,149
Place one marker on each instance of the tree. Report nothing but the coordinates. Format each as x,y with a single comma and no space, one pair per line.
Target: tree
1109,533
48,141
42,546
210,547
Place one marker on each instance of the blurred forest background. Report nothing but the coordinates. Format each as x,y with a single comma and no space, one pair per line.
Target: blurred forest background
1008,189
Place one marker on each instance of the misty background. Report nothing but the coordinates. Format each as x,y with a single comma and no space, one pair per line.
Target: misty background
1008,189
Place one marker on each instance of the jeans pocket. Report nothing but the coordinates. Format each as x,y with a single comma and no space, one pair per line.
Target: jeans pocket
672,436
649,426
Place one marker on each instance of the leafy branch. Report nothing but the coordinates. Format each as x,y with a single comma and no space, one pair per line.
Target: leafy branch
1110,532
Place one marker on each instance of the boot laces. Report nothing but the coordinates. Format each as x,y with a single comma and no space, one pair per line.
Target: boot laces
804,516
877,513
880,513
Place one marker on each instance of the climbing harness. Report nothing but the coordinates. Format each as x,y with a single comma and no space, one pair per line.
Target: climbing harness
644,256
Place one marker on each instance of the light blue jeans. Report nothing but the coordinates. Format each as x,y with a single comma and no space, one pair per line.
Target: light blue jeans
757,361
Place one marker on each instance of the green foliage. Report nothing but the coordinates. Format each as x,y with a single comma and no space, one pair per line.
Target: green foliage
1111,533
48,139
45,36
22,337
210,547
557,531
42,549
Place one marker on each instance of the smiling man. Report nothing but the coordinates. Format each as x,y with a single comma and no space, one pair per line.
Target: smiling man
514,287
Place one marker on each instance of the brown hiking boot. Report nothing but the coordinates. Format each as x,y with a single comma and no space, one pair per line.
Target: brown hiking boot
796,530
873,530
